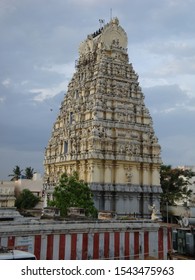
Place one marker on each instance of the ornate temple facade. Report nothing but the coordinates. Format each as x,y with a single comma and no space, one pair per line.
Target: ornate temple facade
104,130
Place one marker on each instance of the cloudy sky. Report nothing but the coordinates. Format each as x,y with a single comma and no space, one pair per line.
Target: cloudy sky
39,46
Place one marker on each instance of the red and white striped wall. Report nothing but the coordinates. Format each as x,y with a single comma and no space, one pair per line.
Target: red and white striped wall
97,244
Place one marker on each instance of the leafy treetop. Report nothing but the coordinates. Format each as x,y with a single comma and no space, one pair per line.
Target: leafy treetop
175,183
29,171
26,200
72,192
17,172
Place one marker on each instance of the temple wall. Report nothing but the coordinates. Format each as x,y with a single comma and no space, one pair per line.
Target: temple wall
113,240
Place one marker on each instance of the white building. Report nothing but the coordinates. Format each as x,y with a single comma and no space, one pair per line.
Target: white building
10,189
191,201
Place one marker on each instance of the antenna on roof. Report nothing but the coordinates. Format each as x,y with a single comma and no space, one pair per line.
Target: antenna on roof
111,14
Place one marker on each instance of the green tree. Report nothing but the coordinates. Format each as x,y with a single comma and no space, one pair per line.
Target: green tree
17,172
72,192
26,200
29,172
174,183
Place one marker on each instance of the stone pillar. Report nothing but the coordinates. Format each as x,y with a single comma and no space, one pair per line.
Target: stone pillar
90,172
82,170
136,175
107,201
117,203
146,203
119,174
98,172
155,175
129,204
108,174
145,174
126,203
97,200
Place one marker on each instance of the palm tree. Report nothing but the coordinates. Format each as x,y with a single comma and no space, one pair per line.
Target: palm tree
29,171
17,173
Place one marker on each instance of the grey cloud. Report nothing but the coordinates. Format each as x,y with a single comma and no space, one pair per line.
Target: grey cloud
37,36
13,157
160,98
174,128
176,47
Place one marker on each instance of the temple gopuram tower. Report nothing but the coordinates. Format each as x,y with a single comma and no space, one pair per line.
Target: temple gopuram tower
104,130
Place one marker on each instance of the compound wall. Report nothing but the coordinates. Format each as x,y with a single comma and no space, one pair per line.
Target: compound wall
52,240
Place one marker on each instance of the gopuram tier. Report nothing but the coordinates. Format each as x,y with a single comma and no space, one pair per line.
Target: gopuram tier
104,130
